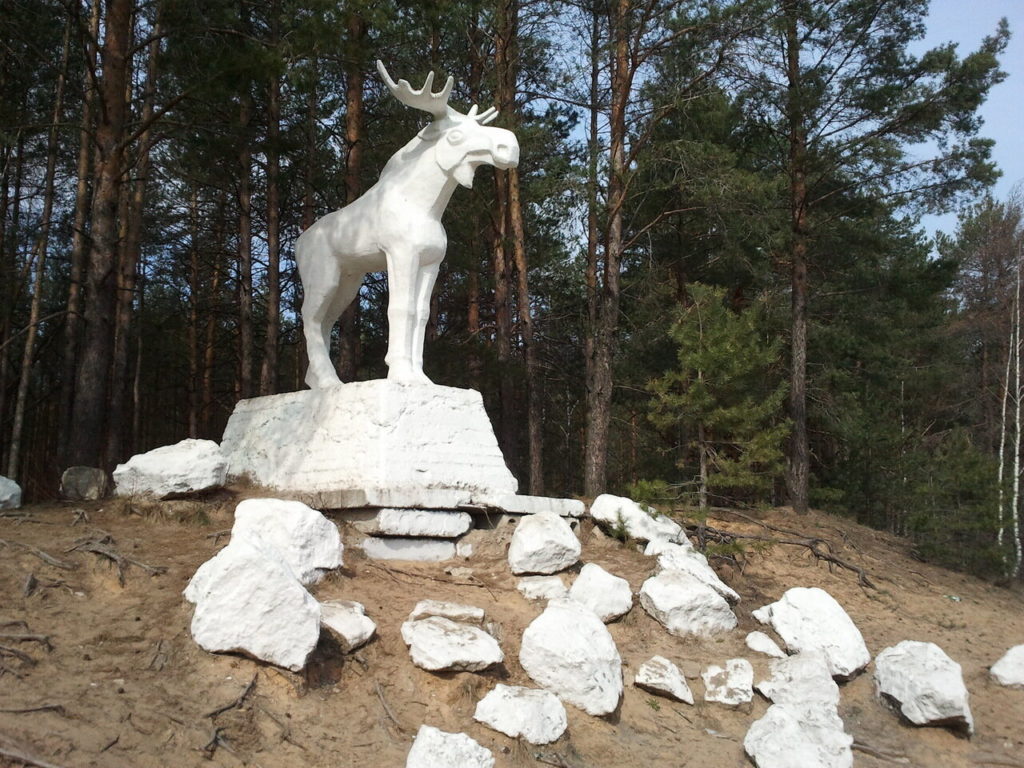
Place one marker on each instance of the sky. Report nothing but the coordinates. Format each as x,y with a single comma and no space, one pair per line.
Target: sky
966,22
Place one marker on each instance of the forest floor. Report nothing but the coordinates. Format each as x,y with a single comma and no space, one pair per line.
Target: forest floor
113,677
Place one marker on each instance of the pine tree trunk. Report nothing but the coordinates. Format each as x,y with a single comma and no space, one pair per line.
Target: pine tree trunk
79,242
599,377
194,289
503,328
268,371
127,278
245,333
92,386
210,332
42,245
798,470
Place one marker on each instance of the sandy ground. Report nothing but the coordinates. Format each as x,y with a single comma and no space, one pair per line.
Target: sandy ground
114,678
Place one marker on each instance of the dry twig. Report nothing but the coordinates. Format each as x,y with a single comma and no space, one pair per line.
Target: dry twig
104,547
892,757
49,559
387,708
237,702
20,655
43,640
25,757
40,708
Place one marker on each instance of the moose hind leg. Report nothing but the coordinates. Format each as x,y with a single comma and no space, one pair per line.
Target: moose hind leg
316,325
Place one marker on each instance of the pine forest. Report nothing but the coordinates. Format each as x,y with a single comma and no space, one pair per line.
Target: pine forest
705,285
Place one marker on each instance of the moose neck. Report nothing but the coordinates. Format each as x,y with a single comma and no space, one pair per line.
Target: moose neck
424,186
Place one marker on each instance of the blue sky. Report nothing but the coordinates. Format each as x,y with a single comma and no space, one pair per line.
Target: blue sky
966,22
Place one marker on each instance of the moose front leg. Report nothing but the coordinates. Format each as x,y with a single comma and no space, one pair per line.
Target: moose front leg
424,289
403,277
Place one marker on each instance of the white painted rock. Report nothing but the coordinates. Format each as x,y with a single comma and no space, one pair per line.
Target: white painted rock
83,484
1009,670
254,604
925,684
186,467
801,681
436,644
568,650
422,550
676,557
731,686
639,523
543,543
802,727
434,748
659,675
348,621
542,587
686,606
306,540
537,716
760,642
606,595
453,611
798,738
810,619
10,493
422,522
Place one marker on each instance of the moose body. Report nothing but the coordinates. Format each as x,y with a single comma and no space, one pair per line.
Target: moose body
396,226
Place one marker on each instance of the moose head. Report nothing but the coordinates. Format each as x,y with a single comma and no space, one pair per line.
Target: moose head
463,141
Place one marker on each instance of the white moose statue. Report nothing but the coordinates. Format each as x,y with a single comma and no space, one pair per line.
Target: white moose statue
396,225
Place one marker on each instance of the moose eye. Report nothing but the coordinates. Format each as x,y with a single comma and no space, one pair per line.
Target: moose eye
456,137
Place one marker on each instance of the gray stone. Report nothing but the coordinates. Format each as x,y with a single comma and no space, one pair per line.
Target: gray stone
10,493
453,611
189,466
348,621
83,484
732,686
543,543
429,523
760,642
542,587
1009,670
659,675
686,606
606,595
637,522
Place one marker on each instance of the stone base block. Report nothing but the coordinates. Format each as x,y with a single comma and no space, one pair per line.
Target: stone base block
425,550
378,444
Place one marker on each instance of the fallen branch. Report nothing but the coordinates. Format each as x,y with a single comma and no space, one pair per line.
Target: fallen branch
819,547
20,655
286,730
104,547
217,739
49,559
237,702
31,583
41,708
890,756
24,757
218,535
80,516
43,640
387,708
392,571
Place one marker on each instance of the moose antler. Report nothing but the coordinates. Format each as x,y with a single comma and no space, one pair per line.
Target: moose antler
425,98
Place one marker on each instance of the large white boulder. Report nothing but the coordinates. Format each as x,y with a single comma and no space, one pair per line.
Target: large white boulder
606,595
348,621
434,748
430,523
186,467
436,644
925,684
640,523
798,738
678,557
809,618
803,680
732,686
542,587
10,493
543,543
306,540
802,727
527,713
685,605
659,675
254,604
569,651
1009,670
760,642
